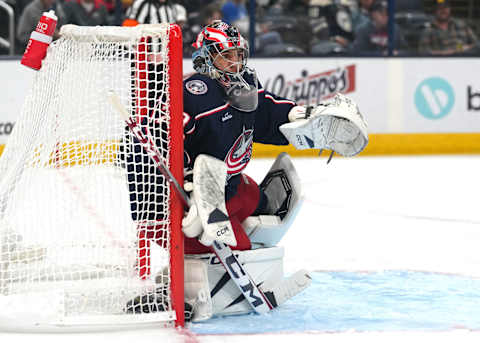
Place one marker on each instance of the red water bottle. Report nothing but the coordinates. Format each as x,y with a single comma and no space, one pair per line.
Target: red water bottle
40,39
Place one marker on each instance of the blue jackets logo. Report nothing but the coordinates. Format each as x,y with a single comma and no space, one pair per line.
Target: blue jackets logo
196,87
434,98
240,153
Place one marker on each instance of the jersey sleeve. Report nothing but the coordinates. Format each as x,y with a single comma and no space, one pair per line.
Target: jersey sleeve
190,130
272,112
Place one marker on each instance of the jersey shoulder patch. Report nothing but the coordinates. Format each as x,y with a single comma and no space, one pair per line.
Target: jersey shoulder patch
196,87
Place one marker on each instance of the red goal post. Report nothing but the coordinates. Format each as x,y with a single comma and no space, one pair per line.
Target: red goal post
87,225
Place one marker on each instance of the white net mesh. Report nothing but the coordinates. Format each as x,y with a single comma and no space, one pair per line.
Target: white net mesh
81,206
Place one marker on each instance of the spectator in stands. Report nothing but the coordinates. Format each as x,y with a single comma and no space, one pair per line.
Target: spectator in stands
109,5
297,7
119,15
446,35
31,15
408,6
86,12
156,12
372,38
18,7
207,15
211,13
193,6
326,25
271,7
361,15
269,42
235,13
234,10
116,15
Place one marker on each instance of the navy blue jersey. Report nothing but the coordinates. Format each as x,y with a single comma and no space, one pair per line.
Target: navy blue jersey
213,127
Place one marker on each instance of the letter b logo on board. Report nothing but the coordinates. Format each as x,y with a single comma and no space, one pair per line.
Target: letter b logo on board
434,98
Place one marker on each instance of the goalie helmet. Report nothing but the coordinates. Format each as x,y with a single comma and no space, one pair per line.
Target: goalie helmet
222,52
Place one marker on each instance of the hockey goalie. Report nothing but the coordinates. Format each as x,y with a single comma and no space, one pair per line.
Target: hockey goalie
225,111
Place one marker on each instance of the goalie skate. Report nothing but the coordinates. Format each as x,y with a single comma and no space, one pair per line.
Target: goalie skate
157,301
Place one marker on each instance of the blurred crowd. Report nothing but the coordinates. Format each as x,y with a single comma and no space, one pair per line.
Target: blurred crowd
283,27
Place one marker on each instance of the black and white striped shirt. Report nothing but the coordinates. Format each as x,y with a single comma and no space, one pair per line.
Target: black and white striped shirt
156,12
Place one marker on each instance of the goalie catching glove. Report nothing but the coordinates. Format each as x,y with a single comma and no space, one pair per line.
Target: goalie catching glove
207,218
336,125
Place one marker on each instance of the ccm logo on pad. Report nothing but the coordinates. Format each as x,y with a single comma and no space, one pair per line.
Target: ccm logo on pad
222,231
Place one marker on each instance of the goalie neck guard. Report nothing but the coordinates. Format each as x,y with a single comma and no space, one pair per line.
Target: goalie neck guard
222,54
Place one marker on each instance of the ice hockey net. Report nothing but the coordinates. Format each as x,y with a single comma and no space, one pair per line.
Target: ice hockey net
89,229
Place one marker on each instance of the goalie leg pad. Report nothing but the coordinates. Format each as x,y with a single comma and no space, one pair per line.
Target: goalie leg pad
260,264
209,179
197,291
283,189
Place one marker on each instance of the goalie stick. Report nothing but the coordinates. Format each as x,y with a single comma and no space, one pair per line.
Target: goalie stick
260,302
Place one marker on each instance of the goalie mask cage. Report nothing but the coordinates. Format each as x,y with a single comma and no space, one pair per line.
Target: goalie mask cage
90,231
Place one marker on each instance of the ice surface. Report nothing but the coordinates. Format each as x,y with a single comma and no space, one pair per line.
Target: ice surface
373,301
393,243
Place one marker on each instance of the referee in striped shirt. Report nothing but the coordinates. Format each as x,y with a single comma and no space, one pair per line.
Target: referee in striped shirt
156,12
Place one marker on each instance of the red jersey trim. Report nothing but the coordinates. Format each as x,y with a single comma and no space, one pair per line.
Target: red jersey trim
268,96
215,110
